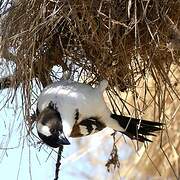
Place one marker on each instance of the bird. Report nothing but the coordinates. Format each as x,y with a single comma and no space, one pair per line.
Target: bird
72,109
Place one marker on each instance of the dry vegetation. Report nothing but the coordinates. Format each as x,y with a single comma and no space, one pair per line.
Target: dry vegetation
134,44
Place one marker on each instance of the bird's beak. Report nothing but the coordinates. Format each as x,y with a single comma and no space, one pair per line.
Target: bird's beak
63,140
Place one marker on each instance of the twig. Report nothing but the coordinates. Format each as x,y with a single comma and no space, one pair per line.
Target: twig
114,158
58,162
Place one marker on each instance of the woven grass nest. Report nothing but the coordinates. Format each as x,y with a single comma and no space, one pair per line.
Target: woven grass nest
116,40
125,42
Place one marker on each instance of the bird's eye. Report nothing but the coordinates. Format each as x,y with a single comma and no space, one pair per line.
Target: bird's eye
54,131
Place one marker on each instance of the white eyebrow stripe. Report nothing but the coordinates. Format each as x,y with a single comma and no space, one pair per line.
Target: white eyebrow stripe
43,129
94,120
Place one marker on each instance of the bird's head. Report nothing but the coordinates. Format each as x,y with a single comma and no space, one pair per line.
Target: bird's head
49,127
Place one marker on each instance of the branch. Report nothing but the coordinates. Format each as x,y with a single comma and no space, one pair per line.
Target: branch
58,162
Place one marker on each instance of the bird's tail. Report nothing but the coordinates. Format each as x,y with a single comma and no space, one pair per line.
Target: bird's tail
136,128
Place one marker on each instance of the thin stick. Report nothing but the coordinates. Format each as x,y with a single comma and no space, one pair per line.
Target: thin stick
58,162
